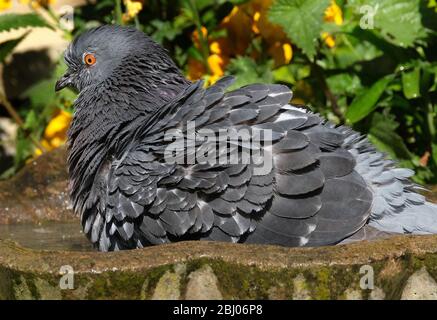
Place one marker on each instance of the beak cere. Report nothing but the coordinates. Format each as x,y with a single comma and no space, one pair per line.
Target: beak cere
63,82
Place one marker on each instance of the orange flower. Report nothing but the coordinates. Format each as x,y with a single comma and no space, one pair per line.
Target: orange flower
196,69
238,24
279,46
216,61
242,24
195,36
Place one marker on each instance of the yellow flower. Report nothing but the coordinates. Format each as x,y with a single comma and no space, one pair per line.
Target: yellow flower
58,125
215,64
230,15
37,153
36,4
216,61
329,40
288,52
57,141
282,53
332,14
55,134
5,4
133,7
214,47
255,27
212,79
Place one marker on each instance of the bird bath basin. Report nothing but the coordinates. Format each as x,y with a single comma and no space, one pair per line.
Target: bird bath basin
41,242
66,236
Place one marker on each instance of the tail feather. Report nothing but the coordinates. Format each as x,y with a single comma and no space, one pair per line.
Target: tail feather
413,219
397,206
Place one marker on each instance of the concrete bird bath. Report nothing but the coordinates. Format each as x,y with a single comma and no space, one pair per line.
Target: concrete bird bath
41,242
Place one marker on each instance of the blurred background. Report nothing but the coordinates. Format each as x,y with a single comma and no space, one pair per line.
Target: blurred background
370,64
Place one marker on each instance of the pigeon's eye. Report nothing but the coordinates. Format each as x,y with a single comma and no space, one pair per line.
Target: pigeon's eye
89,59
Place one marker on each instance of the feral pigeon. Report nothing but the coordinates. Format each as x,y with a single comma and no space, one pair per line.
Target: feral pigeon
154,158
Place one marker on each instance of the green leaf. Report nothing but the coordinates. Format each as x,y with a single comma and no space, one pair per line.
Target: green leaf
23,148
399,21
383,135
301,20
284,74
365,103
434,153
42,93
247,71
344,83
411,83
195,53
31,121
14,21
7,47
350,49
164,30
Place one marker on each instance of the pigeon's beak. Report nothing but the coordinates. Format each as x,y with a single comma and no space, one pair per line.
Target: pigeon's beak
65,81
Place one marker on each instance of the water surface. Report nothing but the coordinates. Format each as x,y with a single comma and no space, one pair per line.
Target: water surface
65,236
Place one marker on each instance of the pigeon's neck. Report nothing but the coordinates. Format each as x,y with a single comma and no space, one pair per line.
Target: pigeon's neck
104,119
147,82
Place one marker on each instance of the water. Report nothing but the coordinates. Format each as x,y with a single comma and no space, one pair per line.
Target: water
66,236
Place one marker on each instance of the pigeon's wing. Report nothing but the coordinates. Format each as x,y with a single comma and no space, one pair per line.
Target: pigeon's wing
311,194
306,192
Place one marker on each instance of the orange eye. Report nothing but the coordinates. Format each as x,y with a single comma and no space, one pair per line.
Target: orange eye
89,59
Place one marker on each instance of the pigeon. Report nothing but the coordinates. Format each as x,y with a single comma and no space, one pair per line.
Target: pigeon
154,158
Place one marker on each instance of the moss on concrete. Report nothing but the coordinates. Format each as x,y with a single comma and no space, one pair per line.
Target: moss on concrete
242,271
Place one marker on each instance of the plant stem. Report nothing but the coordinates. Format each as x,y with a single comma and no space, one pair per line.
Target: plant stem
430,119
118,14
203,42
16,117
137,23
327,91
5,102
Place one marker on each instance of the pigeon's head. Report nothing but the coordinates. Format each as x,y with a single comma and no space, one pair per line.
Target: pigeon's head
101,52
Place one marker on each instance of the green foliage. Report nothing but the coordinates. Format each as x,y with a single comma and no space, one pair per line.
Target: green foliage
411,83
380,78
15,21
247,72
399,21
44,102
383,135
366,102
7,47
301,20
